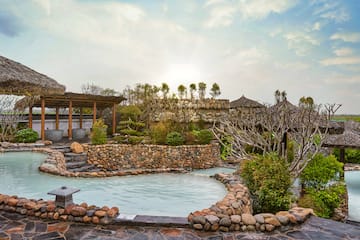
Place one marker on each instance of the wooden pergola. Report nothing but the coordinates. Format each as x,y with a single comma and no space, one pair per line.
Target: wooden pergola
71,100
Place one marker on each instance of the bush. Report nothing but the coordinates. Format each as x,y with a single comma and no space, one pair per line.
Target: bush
269,182
26,135
226,146
318,179
325,201
203,136
351,155
174,139
135,139
131,132
159,131
190,138
98,133
320,171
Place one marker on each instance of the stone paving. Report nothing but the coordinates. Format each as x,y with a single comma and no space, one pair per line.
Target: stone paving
15,226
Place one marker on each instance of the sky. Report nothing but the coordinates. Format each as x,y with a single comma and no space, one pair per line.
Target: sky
249,47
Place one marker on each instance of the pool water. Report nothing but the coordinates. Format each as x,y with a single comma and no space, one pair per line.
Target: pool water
156,194
352,179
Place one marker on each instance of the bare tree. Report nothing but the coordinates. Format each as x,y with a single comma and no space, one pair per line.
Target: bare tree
307,128
9,117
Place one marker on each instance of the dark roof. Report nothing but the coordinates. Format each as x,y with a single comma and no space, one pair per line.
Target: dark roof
18,79
78,100
284,105
244,102
349,139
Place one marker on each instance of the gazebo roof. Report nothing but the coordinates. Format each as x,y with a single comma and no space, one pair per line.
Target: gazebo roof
18,79
349,139
244,102
78,100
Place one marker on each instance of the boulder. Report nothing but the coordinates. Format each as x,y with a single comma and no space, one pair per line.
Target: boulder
76,147
248,219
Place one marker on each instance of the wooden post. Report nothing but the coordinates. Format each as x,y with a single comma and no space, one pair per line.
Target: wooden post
94,113
42,119
57,118
30,117
114,119
70,121
342,159
81,118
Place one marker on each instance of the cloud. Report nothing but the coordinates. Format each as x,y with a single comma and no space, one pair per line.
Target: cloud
341,52
10,25
221,16
342,79
340,61
259,9
223,12
300,42
316,26
332,10
347,37
45,5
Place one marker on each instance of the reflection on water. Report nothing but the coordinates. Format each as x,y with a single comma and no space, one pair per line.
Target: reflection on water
159,194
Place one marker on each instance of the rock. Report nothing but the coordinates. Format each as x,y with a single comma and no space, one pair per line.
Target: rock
235,218
199,219
236,205
273,221
100,213
284,220
78,211
95,220
215,227
269,227
212,219
248,219
259,218
50,207
87,219
76,147
223,229
250,228
12,201
226,222
198,226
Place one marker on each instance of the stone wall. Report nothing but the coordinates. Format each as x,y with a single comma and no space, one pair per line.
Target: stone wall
124,156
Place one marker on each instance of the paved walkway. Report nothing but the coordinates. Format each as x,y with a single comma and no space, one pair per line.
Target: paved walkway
15,226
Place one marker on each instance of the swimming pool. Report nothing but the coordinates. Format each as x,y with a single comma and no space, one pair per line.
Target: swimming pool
352,179
156,194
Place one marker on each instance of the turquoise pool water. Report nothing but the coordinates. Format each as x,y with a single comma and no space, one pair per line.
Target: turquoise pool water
352,179
159,194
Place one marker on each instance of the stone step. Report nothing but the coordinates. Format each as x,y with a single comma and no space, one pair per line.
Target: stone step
85,168
73,165
62,149
75,156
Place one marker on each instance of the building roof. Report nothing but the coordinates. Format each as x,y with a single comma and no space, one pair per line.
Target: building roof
18,79
77,99
349,139
244,102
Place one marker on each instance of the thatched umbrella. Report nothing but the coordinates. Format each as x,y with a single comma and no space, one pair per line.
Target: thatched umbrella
17,79
244,102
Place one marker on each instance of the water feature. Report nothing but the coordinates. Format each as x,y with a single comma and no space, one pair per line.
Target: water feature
352,179
158,194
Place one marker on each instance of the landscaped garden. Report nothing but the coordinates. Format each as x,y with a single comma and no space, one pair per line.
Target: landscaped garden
283,173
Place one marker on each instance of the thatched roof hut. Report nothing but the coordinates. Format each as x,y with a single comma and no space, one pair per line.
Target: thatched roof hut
17,79
244,102
349,139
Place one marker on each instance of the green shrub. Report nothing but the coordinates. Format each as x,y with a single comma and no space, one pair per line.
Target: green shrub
135,139
351,155
203,136
190,138
269,182
98,133
159,131
325,201
131,132
320,171
130,112
318,180
225,147
26,135
174,139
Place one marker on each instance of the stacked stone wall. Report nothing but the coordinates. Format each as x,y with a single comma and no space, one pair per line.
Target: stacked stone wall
123,156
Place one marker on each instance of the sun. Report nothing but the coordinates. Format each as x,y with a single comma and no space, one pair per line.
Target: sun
181,73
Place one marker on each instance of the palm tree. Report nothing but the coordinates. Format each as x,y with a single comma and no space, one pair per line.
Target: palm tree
215,90
192,90
201,90
181,91
165,90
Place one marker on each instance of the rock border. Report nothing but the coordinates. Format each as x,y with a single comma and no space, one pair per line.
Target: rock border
234,212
